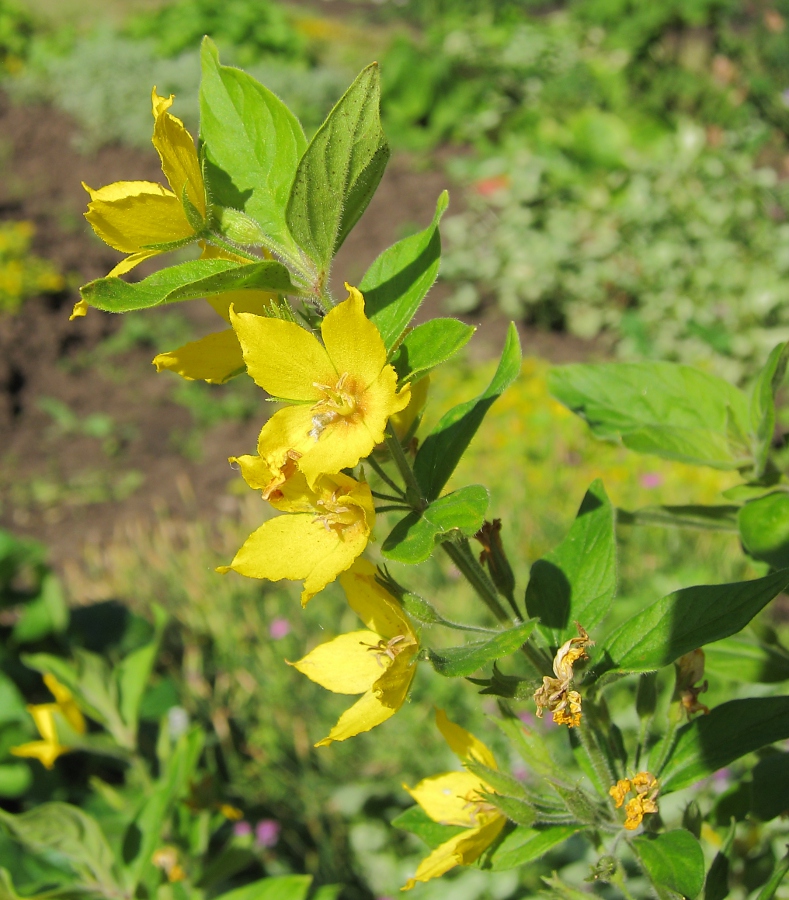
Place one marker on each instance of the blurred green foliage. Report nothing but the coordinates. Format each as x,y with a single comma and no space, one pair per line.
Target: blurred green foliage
16,31
22,273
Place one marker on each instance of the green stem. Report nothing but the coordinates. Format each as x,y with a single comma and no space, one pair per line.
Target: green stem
413,490
595,755
378,469
460,554
379,495
389,507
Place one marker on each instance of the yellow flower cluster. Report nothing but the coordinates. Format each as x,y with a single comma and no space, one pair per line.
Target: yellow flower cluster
645,787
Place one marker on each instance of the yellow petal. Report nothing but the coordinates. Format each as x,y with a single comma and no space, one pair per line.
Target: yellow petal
352,341
126,265
282,357
365,714
288,429
460,850
177,152
130,215
374,605
393,684
403,420
345,665
44,717
449,798
65,703
214,358
255,302
80,309
43,751
462,743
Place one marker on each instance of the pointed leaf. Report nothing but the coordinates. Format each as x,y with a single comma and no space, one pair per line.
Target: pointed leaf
576,582
454,662
396,283
662,408
673,860
523,845
763,405
445,445
339,171
413,538
742,659
429,345
253,144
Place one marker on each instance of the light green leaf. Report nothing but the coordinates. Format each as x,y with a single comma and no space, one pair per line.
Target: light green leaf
744,660
523,845
454,662
15,779
186,281
282,887
133,672
662,408
730,731
764,528
417,821
46,614
445,445
253,144
673,860
686,620
397,282
339,172
763,405
413,538
576,582
705,518
429,345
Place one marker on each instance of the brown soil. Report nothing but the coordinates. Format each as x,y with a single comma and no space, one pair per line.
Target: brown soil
43,470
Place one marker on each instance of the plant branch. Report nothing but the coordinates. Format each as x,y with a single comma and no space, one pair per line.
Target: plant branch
413,491
379,470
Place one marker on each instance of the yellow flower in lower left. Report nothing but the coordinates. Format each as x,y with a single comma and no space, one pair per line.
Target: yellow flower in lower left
377,663
45,716
324,531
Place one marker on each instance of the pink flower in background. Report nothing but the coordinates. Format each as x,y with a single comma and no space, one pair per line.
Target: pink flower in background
278,629
267,833
526,717
242,829
651,480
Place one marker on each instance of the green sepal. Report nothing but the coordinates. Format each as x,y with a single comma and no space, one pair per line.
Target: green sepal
454,662
673,860
429,345
514,808
511,687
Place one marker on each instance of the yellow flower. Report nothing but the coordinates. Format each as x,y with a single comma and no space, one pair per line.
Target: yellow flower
555,693
645,786
328,526
456,798
343,392
403,421
142,218
49,748
377,663
166,858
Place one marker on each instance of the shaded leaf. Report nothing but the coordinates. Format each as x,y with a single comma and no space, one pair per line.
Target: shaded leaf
742,659
770,787
763,405
779,873
716,885
454,662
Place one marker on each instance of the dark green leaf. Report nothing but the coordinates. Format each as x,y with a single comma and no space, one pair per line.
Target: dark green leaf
763,405
523,845
576,582
429,345
396,283
741,659
413,538
730,731
764,528
716,886
686,620
454,662
417,821
445,445
283,887
339,171
673,860
663,408
253,144
770,787
706,518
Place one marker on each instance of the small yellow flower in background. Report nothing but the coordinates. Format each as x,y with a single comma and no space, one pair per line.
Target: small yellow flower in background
645,786
166,859
142,218
555,693
326,528
233,813
690,670
377,663
457,798
49,748
342,392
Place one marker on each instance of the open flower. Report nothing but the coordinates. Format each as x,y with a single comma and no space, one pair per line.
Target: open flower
645,787
142,218
377,663
457,798
325,529
342,392
555,693
45,716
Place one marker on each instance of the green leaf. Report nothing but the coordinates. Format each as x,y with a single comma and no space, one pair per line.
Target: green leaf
706,518
779,873
134,671
673,860
46,614
413,538
418,822
283,887
397,282
454,662
770,787
576,582
686,620
186,281
523,845
743,660
68,837
516,810
716,885
15,779
764,528
253,144
662,408
445,445
339,171
429,345
763,405
730,731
